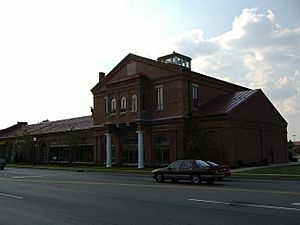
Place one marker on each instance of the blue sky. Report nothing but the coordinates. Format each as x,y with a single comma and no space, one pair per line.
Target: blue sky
52,51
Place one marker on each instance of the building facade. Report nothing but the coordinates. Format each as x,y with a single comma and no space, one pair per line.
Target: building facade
151,112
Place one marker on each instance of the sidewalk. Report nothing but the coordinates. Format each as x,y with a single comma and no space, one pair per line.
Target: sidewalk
243,172
266,166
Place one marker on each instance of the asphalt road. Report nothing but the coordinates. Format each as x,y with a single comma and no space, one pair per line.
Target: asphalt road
39,197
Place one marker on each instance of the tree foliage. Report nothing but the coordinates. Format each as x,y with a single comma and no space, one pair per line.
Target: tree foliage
193,147
24,148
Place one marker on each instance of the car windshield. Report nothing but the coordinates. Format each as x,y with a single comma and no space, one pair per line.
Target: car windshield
201,163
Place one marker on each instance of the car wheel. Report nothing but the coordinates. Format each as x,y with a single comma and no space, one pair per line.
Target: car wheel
159,177
2,168
195,179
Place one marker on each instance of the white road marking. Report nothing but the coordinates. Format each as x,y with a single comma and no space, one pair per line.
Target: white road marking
246,205
296,203
22,177
10,196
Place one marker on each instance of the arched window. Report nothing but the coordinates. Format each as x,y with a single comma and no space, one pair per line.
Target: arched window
113,108
123,104
133,103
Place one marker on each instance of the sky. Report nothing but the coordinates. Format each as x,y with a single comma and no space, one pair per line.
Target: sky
52,51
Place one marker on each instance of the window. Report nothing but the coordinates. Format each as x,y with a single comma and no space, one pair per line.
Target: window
106,105
161,150
175,165
133,103
113,108
159,98
195,95
123,104
186,165
201,163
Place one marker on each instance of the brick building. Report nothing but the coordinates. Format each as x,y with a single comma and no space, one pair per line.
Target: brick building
149,113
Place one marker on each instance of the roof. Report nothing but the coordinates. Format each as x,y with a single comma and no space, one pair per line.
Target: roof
130,56
171,67
79,123
224,104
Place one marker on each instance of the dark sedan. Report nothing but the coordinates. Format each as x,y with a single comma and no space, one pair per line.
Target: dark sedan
194,170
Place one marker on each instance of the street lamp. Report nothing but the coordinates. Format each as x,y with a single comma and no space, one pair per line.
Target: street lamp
34,146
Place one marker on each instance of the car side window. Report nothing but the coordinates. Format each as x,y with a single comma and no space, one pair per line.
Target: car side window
186,165
175,165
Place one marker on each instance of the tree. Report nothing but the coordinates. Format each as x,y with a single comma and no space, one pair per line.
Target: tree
193,147
24,148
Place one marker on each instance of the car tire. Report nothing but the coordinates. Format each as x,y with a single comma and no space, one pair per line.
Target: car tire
196,179
159,177
2,168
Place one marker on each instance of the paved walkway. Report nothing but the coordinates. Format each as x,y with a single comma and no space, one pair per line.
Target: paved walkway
266,166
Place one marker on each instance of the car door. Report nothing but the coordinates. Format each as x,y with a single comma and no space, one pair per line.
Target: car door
172,171
186,170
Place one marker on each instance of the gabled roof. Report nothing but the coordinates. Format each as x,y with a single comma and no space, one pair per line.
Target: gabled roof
130,56
73,124
225,104
173,68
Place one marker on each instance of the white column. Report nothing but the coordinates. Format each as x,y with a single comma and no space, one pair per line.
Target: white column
140,149
108,150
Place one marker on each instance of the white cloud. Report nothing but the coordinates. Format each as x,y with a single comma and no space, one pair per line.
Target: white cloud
257,53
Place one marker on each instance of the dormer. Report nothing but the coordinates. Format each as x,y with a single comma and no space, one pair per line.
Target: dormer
177,59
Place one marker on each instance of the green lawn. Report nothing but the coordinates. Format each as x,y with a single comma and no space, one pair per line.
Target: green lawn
83,168
293,170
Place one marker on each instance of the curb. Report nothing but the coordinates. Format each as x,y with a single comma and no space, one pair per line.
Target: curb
266,176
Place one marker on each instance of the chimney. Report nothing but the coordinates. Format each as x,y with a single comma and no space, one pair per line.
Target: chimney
101,75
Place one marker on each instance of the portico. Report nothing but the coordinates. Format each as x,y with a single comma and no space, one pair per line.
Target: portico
120,144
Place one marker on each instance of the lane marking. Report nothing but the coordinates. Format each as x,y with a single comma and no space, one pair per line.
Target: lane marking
154,185
22,177
246,205
10,196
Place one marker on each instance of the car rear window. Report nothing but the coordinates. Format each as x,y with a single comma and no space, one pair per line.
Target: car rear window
212,163
201,163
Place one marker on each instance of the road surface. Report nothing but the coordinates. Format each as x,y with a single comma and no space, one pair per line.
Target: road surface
41,197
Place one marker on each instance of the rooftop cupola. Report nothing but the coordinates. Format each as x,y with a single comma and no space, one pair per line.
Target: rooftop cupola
177,59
